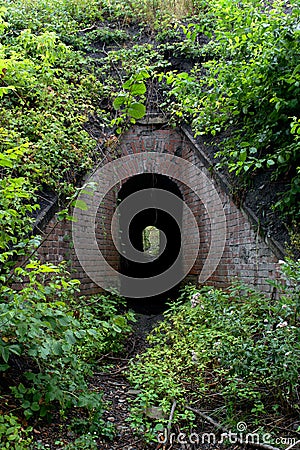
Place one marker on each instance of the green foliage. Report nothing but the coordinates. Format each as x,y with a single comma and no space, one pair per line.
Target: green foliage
127,103
248,82
12,434
63,17
234,345
61,337
84,442
246,79
54,90
50,89
16,204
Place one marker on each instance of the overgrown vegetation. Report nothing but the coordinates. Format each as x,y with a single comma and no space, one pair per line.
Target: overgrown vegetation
51,339
234,353
243,76
246,79
68,64
50,343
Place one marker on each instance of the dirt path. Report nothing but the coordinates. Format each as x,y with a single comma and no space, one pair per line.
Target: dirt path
116,394
117,390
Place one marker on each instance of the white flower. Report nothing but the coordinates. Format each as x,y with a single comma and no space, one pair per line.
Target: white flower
194,299
282,324
194,356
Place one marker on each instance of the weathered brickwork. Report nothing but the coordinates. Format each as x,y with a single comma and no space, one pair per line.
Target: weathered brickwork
246,255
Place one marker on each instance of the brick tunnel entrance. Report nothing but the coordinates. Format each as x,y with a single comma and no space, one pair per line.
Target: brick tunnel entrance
148,159
167,236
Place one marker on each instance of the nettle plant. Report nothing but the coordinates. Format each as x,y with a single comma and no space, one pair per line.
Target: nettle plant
235,347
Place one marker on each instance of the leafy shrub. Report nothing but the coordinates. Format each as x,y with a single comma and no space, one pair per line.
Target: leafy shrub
248,82
12,434
236,346
49,91
63,17
39,326
17,204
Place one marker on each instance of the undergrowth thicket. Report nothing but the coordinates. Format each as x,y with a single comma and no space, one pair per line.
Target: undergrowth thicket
234,353
245,78
66,64
51,339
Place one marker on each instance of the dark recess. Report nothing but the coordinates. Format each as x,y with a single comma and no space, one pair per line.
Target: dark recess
164,222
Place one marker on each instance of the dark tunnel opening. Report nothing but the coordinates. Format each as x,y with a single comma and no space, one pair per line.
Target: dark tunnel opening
156,224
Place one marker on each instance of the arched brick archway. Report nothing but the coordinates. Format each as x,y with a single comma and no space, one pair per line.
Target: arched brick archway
246,254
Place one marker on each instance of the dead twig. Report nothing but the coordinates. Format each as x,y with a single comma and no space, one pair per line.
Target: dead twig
220,427
109,374
115,358
92,27
134,443
171,418
132,349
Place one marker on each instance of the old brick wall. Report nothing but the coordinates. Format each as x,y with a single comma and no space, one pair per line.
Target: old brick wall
246,255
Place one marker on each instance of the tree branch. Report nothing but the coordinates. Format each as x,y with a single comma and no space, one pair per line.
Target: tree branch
220,427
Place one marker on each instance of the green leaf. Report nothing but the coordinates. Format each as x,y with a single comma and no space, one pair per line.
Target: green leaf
22,389
127,85
5,354
16,349
57,348
270,162
138,88
81,204
137,110
43,411
5,90
243,155
26,404
5,161
35,406
142,75
70,338
119,101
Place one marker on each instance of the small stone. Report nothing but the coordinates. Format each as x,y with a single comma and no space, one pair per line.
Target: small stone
133,391
154,412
